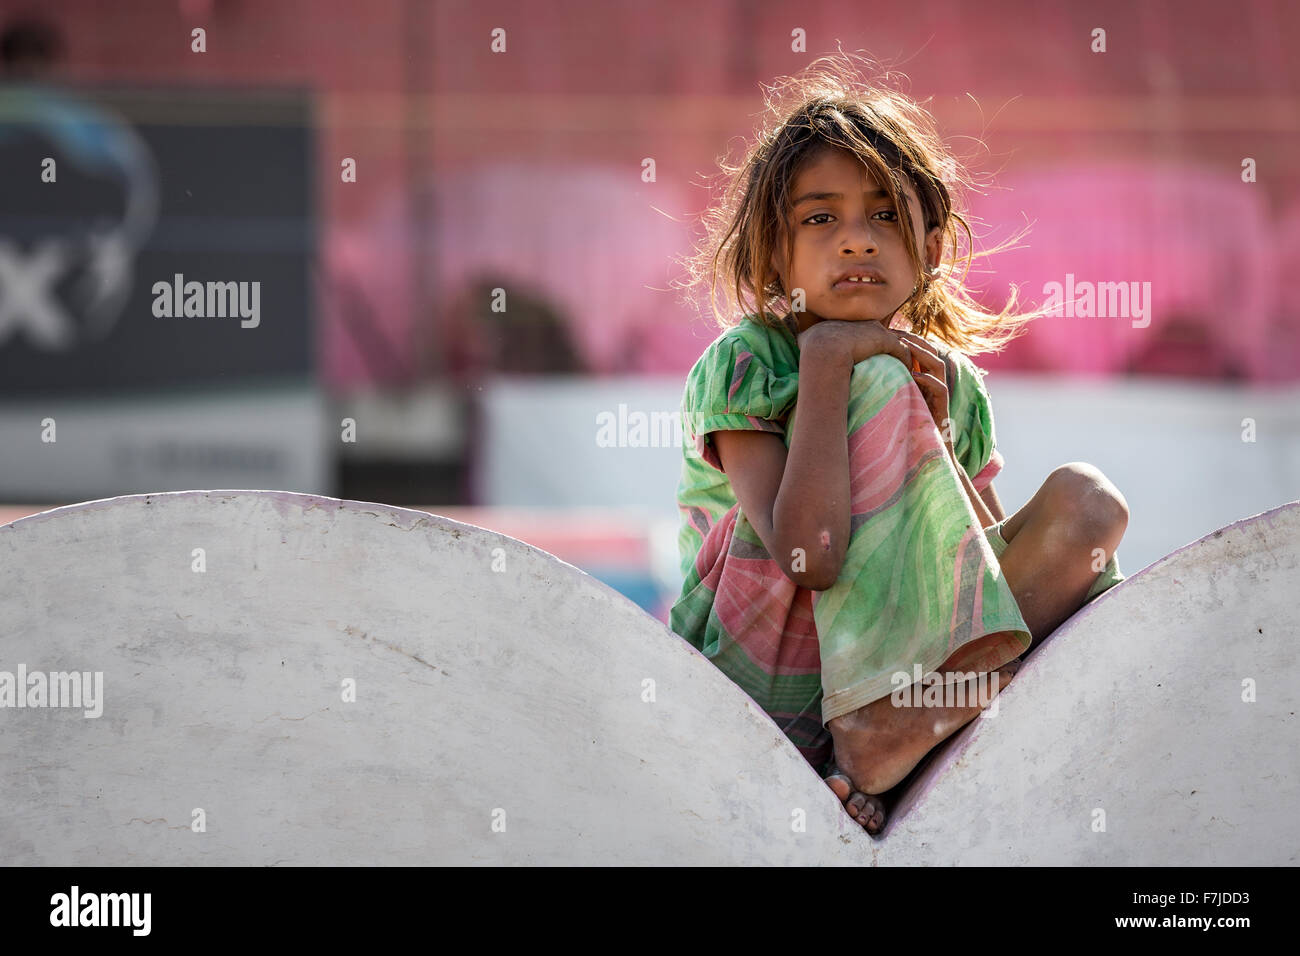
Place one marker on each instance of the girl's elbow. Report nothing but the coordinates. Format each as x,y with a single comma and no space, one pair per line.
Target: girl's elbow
813,568
826,581
821,576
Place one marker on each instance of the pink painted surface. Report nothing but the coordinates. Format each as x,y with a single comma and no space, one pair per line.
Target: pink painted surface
1202,239
586,240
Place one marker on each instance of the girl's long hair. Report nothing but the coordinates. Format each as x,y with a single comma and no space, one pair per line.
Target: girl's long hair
829,106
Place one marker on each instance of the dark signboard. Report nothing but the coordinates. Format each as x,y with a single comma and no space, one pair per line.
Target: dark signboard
154,240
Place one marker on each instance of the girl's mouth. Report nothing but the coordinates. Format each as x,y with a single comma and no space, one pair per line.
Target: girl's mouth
857,285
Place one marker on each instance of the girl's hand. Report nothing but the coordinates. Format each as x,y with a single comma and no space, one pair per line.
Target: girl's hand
854,341
932,372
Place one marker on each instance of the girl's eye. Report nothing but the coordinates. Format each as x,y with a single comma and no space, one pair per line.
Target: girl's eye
893,217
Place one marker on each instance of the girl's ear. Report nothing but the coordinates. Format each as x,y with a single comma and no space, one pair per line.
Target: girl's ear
933,247
777,261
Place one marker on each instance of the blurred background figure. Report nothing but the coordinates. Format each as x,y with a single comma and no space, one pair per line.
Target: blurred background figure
462,225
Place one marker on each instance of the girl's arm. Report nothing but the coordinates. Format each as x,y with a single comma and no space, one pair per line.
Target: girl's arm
799,498
994,504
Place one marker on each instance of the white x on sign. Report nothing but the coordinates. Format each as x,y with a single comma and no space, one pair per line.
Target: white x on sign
26,294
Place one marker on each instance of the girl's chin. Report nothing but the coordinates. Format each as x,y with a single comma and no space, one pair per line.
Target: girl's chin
858,317
855,311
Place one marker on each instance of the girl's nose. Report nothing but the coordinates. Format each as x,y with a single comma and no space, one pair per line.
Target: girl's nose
859,237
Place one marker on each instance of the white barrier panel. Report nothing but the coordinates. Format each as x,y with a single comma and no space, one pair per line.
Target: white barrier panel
1156,727
502,714
301,680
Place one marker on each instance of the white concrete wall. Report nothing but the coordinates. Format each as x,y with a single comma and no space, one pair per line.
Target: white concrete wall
1173,448
275,437
490,679
495,682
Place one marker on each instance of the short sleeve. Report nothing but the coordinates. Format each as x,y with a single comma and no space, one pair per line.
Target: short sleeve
974,438
734,386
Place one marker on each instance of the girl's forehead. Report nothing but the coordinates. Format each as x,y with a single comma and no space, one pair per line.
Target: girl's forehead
829,169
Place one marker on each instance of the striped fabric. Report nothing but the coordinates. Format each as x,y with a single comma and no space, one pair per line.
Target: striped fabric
920,583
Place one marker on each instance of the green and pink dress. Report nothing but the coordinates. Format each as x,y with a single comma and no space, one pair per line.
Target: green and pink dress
921,584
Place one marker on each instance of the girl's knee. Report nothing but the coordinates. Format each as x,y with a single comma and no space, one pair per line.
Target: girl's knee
1083,495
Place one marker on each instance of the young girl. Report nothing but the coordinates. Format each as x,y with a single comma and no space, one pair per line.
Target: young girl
839,523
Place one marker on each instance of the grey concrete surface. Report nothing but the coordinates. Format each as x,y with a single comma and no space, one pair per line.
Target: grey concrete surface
504,711
1158,726
495,686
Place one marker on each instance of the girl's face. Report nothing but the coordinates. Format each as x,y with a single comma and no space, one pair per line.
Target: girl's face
844,225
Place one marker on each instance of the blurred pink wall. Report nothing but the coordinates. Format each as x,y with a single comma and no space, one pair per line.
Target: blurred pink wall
1202,239
1128,161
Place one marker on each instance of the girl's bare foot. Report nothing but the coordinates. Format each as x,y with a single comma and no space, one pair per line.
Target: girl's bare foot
867,809
876,746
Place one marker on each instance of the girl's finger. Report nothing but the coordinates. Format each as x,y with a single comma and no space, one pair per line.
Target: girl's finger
908,348
921,345
929,361
900,351
937,360
930,367
936,398
915,339
912,337
930,386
